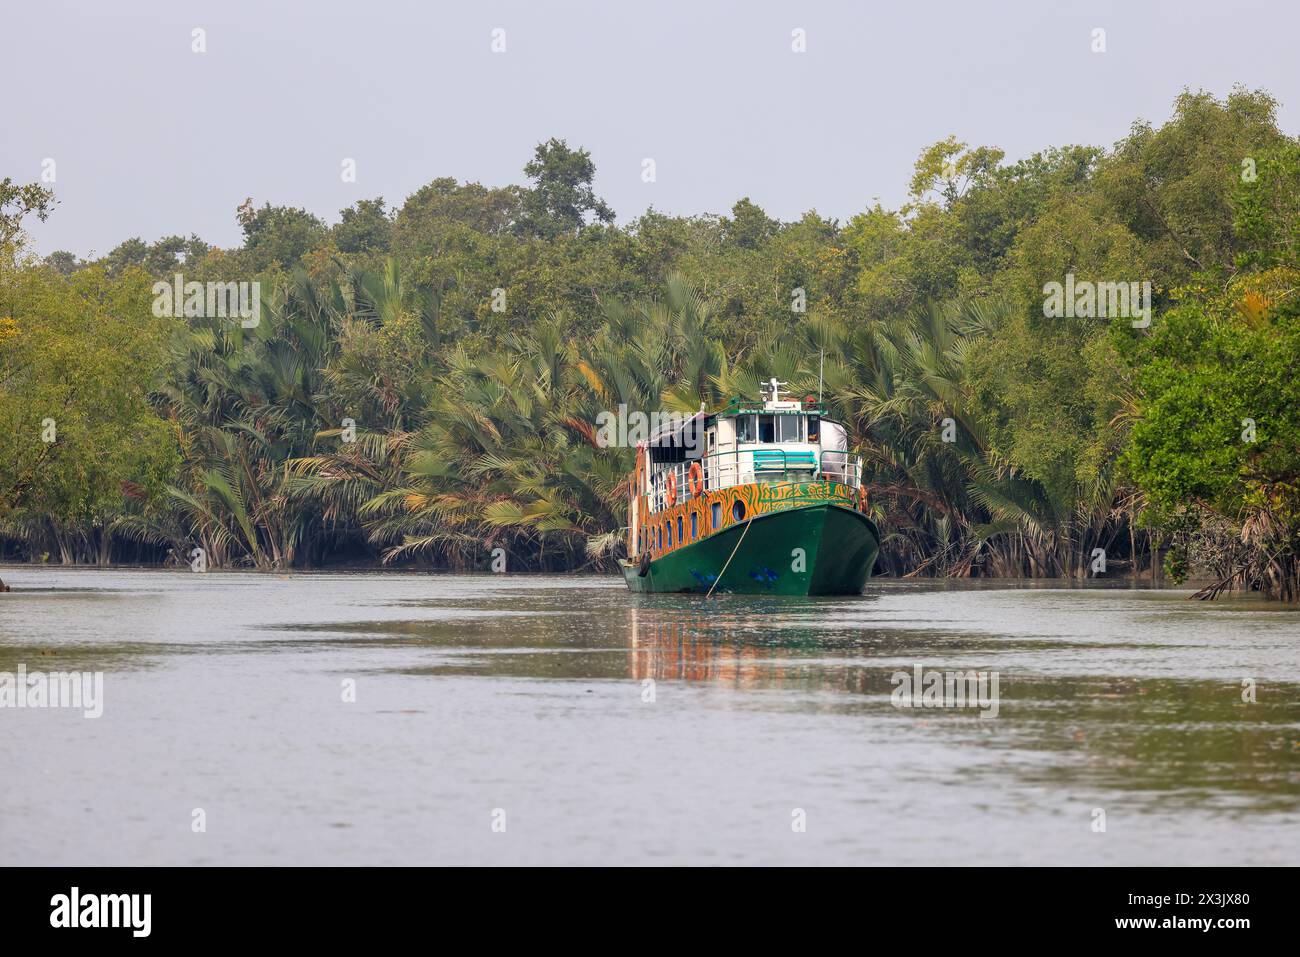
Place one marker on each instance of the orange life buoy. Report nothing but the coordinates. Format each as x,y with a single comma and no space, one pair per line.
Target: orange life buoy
862,498
670,490
695,479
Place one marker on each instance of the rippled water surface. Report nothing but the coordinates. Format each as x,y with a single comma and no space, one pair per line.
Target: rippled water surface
617,729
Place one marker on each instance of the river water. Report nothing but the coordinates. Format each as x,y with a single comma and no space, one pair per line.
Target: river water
434,719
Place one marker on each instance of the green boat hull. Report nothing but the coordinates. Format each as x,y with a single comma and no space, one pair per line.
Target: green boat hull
839,547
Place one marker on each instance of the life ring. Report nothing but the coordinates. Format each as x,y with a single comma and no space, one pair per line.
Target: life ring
670,491
695,479
862,498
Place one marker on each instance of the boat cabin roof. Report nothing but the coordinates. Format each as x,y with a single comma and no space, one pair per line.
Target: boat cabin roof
669,439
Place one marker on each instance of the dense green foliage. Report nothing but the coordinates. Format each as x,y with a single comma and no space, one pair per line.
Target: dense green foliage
424,380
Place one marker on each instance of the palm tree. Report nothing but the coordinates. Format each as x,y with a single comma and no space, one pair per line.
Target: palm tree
509,456
243,403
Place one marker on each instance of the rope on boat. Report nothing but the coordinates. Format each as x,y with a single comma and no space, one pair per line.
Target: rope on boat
729,558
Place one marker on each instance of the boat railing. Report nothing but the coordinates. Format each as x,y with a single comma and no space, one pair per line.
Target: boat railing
749,466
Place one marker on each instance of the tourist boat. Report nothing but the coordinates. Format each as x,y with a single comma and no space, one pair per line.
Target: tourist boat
761,498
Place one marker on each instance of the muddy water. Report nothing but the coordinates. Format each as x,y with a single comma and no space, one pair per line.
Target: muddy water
512,719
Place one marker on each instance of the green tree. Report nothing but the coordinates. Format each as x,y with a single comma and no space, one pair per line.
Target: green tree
78,437
1173,187
561,197
364,227
278,235
1220,411
749,227
16,203
1267,203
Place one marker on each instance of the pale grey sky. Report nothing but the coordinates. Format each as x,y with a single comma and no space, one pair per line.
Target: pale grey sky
151,139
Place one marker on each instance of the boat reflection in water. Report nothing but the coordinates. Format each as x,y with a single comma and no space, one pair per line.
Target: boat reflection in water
709,643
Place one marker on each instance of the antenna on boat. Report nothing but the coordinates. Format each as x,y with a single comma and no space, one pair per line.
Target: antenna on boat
775,386
821,366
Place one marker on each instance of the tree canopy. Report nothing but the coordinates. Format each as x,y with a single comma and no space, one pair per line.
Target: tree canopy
471,334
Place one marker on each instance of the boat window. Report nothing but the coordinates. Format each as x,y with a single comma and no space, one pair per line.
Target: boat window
717,515
695,526
766,428
659,535
738,510
680,536
814,428
745,428
787,428
670,534
671,451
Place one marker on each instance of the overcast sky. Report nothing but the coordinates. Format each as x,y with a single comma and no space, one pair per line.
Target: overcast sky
150,138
